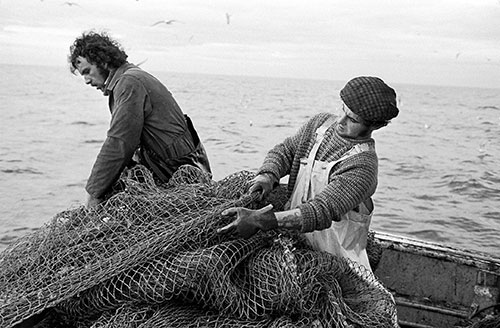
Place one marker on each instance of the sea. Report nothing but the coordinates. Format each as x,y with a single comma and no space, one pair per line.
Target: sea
439,160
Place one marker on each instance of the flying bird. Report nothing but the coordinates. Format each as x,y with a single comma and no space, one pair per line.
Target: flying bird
71,4
169,22
228,16
142,62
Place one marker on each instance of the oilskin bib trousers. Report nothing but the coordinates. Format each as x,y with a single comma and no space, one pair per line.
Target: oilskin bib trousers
347,237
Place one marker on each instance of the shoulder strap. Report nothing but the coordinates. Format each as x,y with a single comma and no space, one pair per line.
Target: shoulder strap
357,149
320,134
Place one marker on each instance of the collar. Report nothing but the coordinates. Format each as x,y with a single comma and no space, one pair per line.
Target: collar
114,76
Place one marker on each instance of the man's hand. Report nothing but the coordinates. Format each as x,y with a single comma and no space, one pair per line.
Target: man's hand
263,183
91,201
248,222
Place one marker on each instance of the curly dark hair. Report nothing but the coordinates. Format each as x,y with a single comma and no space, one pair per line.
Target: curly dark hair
99,49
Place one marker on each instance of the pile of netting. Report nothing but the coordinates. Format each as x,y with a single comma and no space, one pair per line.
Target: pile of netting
489,319
150,256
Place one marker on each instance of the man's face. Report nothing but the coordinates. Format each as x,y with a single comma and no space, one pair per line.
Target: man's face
351,125
92,74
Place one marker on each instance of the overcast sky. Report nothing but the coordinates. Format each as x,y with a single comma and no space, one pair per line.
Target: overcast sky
444,42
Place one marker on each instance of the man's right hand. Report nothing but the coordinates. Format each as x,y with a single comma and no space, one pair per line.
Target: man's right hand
263,183
248,222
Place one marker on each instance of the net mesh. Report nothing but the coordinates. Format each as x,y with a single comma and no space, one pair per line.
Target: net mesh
492,321
150,256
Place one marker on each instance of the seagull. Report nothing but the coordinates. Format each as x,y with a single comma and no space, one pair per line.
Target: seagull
482,146
228,16
169,22
71,4
142,62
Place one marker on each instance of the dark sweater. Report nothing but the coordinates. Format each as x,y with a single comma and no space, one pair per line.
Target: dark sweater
351,181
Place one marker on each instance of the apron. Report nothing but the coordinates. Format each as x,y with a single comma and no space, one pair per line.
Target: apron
347,237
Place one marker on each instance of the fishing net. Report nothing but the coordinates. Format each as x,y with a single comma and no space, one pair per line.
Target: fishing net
492,321
487,317
150,256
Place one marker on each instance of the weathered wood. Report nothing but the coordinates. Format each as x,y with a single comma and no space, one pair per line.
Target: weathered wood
436,285
479,260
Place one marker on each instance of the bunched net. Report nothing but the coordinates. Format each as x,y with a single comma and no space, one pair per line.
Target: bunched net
151,257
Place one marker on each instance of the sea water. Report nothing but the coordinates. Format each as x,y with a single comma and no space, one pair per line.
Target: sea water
439,160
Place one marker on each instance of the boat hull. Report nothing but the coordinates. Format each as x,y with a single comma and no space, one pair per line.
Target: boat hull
435,285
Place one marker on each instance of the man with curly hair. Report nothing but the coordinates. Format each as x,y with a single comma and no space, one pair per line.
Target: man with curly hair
147,125
332,167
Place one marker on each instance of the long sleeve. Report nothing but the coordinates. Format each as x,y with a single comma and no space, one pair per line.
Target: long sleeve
279,159
127,102
351,181
284,158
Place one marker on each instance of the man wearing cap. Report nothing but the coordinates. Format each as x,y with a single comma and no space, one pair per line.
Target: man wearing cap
333,169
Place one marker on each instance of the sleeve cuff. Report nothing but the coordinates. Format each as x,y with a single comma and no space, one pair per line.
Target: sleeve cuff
268,170
307,218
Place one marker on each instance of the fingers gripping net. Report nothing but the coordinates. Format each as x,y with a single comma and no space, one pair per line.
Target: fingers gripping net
150,257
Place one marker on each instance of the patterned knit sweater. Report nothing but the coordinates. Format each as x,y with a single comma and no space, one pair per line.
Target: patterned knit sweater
351,181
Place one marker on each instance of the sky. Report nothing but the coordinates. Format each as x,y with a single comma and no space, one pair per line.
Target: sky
431,42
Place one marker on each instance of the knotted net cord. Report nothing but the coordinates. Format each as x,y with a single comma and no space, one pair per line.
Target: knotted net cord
151,257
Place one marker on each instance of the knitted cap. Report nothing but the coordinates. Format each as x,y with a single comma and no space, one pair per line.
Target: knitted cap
370,98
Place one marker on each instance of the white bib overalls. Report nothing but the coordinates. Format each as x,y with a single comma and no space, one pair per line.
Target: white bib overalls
347,237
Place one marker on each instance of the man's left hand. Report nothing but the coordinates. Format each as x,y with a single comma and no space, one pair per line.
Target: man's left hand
248,222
